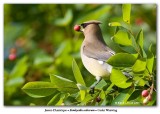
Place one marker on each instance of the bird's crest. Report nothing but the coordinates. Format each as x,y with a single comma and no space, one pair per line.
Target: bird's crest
84,24
92,22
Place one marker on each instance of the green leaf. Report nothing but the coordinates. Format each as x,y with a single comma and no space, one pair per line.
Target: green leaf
101,84
77,73
81,87
83,94
102,95
126,9
114,24
109,88
39,89
83,90
119,79
140,38
128,49
54,100
42,59
95,13
63,84
134,43
117,29
88,98
122,98
135,55
62,98
150,60
139,66
126,25
70,101
122,60
60,81
122,38
139,81
131,48
15,82
20,68
66,20
143,53
135,99
135,95
60,49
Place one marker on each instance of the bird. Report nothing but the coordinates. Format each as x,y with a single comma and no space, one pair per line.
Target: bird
94,51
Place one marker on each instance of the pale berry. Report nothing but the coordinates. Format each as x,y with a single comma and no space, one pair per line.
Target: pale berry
149,97
145,101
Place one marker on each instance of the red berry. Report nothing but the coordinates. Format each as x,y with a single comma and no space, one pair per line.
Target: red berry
77,28
98,99
145,93
139,21
12,56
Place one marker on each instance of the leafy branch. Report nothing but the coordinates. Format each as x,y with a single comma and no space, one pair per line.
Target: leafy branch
119,90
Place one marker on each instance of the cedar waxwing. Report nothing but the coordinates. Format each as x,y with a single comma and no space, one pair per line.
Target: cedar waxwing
94,51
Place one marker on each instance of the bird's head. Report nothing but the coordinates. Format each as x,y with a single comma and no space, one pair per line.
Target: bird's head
86,26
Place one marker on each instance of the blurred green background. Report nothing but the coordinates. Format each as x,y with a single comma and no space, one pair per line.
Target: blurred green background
41,39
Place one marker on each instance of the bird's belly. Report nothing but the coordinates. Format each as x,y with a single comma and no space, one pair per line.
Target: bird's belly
94,67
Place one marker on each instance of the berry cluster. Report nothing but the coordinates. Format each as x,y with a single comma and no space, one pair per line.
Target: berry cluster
147,96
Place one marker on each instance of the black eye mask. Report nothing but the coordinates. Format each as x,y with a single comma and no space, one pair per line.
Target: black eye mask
84,24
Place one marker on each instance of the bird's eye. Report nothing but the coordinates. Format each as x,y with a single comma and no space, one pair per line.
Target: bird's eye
83,25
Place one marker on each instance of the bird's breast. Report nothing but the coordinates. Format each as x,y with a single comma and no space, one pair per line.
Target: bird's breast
95,67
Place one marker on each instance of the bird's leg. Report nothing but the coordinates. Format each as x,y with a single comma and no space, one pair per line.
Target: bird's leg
98,78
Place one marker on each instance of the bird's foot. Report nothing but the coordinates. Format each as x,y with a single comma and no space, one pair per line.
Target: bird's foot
91,91
92,88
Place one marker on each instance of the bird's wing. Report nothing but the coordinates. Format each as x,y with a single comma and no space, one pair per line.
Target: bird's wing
99,52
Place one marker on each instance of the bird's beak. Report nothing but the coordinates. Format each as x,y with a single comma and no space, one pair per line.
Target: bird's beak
81,29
